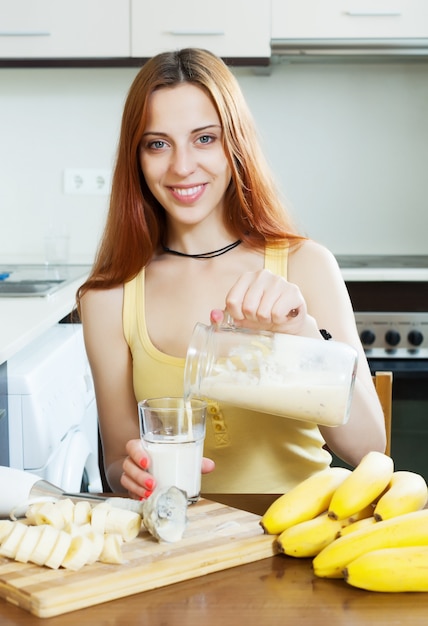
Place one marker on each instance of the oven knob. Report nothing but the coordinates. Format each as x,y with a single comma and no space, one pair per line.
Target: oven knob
392,337
367,337
415,338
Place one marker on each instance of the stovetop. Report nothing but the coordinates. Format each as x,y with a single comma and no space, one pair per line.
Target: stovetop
383,261
383,267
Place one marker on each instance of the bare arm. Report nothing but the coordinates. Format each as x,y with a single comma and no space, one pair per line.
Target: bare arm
111,366
315,270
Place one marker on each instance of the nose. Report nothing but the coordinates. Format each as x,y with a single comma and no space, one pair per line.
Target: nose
182,161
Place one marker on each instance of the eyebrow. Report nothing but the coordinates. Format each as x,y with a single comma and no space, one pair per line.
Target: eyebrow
192,132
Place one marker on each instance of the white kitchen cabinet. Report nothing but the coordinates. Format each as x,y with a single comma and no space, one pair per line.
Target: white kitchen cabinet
47,29
229,28
356,19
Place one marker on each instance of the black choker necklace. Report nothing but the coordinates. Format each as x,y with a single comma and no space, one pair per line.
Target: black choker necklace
204,255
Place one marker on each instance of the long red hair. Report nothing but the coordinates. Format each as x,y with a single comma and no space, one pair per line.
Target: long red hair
135,225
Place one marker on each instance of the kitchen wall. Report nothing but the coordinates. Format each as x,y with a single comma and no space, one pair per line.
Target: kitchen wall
348,143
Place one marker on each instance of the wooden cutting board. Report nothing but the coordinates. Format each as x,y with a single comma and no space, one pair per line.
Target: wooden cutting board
217,537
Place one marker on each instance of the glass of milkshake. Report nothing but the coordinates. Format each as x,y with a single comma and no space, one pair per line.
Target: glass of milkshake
173,432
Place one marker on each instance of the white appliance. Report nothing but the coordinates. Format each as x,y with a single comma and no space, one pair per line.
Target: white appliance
53,422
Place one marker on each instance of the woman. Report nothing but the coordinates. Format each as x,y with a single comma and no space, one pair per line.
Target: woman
196,230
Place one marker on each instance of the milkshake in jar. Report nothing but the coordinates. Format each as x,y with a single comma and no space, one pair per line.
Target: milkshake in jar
287,375
173,432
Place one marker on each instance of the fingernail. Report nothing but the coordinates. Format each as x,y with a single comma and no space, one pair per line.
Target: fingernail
147,494
148,483
144,462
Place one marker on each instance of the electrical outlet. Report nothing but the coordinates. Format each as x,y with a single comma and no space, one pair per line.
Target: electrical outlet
87,182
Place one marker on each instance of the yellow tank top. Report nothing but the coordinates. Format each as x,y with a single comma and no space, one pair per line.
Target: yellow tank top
254,452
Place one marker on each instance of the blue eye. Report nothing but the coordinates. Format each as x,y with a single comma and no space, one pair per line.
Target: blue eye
206,139
157,145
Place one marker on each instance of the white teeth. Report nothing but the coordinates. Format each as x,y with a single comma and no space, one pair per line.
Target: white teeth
187,192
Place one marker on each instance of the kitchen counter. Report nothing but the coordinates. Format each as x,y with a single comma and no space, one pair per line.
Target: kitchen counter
272,591
24,319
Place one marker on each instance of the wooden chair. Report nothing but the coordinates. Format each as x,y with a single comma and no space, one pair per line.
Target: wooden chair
383,383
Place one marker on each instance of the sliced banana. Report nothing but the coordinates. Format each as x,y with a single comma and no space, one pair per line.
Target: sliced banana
47,540
78,553
97,545
82,513
32,510
123,522
99,517
66,506
6,526
28,543
59,551
49,513
112,549
9,546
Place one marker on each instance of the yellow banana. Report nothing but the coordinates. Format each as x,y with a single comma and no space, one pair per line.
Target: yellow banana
305,501
404,530
367,481
407,492
390,569
308,538
361,523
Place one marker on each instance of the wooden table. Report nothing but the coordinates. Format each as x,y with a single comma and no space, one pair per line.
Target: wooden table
275,591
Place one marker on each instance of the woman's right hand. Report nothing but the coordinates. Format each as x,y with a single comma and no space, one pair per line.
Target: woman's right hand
135,479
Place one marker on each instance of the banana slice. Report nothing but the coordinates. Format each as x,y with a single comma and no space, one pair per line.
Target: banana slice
9,546
79,551
97,545
66,506
6,526
47,540
28,543
59,550
112,549
32,510
99,517
49,513
123,522
82,513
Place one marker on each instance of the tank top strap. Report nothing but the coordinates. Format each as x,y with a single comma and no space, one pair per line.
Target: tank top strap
276,259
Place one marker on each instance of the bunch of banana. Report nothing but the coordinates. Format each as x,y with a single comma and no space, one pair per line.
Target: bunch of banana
408,529
338,516
305,501
390,569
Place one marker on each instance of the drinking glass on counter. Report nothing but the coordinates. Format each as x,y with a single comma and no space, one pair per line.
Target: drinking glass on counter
173,432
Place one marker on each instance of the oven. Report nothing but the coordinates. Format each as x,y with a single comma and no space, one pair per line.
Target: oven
390,299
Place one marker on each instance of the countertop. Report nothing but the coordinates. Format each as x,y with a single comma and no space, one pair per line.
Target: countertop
24,319
269,592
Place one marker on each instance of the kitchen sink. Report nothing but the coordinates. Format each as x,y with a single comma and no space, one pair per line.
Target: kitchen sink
24,288
37,280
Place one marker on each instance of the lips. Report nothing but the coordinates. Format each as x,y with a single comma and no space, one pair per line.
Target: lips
187,194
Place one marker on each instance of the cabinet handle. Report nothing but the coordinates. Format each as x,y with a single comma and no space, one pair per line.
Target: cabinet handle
373,13
192,33
24,33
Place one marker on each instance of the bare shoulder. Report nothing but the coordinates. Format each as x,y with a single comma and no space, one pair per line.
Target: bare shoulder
102,299
311,261
101,311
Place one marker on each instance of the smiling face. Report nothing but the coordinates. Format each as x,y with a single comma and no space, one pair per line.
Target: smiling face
182,156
